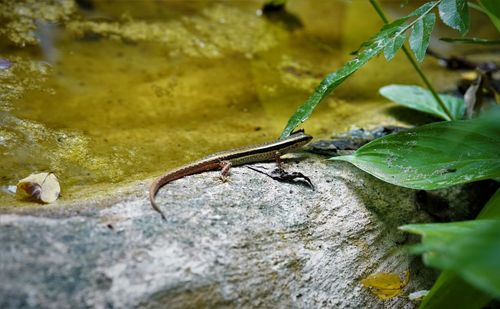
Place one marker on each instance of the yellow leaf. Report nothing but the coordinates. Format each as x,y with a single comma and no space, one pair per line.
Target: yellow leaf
385,285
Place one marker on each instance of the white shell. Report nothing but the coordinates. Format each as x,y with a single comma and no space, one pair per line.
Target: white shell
418,295
42,187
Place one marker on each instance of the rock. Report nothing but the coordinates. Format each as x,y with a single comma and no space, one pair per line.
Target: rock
249,242
5,64
346,143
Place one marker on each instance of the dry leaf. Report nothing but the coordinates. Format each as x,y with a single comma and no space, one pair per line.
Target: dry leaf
480,95
385,285
42,187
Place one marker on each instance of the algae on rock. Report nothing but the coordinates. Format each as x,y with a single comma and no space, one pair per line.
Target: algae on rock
19,17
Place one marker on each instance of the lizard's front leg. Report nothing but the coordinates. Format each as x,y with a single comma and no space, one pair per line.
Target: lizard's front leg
225,167
277,158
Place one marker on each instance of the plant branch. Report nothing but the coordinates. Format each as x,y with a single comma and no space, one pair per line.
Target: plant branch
380,12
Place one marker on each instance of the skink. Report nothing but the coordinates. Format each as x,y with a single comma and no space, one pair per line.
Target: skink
224,160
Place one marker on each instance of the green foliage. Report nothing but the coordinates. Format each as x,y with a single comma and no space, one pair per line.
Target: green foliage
389,39
469,248
393,46
420,34
450,290
434,156
478,41
492,209
418,98
455,13
490,8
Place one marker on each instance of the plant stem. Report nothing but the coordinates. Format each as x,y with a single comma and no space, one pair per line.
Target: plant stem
380,12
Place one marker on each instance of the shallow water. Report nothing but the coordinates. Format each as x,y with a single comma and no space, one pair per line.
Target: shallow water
133,88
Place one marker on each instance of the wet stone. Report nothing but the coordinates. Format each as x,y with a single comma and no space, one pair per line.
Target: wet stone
346,143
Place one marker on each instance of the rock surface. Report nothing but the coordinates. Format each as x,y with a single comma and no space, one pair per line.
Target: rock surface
248,242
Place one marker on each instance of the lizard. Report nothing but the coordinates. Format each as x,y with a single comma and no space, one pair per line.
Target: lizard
226,159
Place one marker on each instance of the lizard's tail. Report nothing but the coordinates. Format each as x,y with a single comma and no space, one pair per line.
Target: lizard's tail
152,194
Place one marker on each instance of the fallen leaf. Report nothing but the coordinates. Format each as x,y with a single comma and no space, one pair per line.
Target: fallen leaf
42,187
385,285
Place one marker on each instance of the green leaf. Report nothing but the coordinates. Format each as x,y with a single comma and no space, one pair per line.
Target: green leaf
332,80
369,49
423,10
450,290
418,98
492,208
386,31
469,248
455,13
434,156
490,8
395,44
420,35
471,41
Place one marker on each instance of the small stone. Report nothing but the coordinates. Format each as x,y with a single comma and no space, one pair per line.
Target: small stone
5,64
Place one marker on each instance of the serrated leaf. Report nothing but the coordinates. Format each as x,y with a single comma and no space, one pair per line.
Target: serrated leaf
332,80
385,32
418,98
394,45
390,28
368,50
455,13
424,9
469,248
420,35
450,290
434,156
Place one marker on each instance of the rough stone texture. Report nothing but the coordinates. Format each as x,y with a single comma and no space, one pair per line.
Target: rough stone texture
249,242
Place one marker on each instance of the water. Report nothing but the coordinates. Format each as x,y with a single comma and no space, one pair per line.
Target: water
131,89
